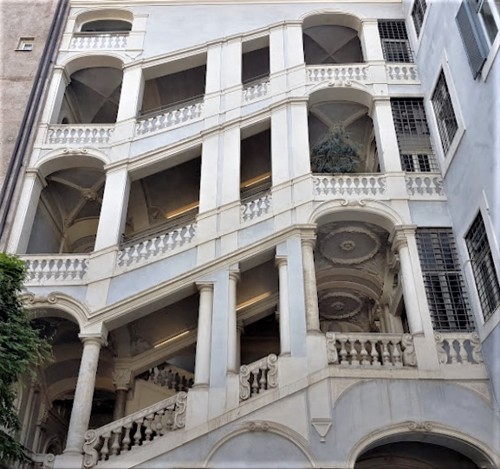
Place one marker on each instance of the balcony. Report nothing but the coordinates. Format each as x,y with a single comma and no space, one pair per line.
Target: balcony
94,134
99,40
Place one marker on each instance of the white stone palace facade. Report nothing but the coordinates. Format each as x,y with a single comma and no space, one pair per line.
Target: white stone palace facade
213,298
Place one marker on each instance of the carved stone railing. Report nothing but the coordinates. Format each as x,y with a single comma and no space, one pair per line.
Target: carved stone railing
373,350
337,73
462,348
157,245
360,184
258,377
169,377
79,133
256,207
38,461
424,185
169,118
99,41
64,267
256,90
138,429
402,73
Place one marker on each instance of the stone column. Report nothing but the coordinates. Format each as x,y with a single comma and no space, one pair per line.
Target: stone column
300,139
131,94
55,95
204,337
25,215
400,246
121,380
284,310
387,141
310,290
232,331
84,392
370,40
113,209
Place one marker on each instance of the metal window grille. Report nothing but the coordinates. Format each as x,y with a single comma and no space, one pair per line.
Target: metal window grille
413,135
445,115
418,14
485,275
395,44
443,280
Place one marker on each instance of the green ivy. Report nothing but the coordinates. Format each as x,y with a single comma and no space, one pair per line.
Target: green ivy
335,153
21,350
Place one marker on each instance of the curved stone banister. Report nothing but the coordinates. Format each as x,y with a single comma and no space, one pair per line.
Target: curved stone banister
136,429
258,376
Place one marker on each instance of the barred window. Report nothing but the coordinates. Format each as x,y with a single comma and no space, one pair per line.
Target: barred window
418,14
444,284
445,115
413,135
395,44
483,267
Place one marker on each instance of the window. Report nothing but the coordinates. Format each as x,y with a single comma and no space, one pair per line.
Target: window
483,267
486,11
413,136
443,280
394,39
445,115
418,14
25,44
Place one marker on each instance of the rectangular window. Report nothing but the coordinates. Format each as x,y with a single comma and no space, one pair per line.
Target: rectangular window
483,267
444,284
445,115
25,44
413,135
394,38
418,14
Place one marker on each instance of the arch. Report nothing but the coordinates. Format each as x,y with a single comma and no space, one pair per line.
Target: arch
82,158
264,426
434,433
103,14
331,17
356,93
56,304
375,212
77,62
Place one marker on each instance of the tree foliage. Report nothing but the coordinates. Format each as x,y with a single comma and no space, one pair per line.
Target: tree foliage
335,153
21,349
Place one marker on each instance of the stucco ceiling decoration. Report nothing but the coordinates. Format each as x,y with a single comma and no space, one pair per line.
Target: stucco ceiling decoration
349,245
340,305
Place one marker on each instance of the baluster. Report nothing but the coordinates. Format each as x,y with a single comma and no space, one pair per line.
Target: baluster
148,424
396,354
115,446
374,355
158,423
137,434
343,351
353,353
263,379
255,382
364,352
105,450
168,419
386,356
126,438
464,358
453,352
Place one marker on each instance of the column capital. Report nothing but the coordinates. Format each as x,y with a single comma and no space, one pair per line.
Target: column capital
309,241
122,378
204,286
399,236
234,275
281,260
96,338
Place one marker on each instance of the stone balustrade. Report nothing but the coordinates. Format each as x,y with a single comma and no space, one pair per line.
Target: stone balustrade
258,377
337,73
56,267
169,118
79,133
169,377
370,350
99,41
149,248
135,430
458,348
256,90
424,185
356,184
402,73
255,208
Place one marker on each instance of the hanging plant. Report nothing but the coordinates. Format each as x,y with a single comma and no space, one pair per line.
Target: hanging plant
335,153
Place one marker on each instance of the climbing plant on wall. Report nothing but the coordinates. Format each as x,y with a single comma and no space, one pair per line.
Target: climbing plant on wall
21,349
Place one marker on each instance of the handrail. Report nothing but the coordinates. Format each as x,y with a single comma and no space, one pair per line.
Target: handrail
171,107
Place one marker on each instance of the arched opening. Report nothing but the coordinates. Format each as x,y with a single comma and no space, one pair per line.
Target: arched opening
68,211
106,26
92,96
341,133
331,39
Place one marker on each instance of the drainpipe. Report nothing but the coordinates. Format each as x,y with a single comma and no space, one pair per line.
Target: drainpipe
31,113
